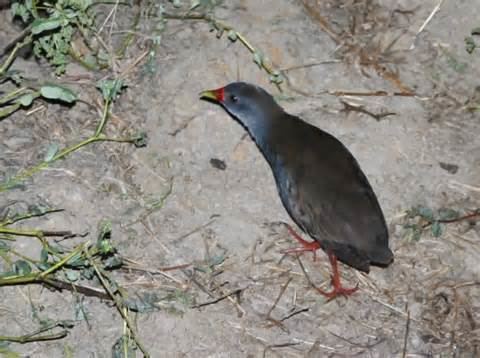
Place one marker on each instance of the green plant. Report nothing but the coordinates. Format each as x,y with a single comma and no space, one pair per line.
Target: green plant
203,10
61,268
470,44
53,26
422,218
110,90
24,96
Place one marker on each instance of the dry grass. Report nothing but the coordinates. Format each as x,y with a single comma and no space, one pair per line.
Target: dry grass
365,35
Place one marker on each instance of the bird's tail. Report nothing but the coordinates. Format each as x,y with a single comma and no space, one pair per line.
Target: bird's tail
381,257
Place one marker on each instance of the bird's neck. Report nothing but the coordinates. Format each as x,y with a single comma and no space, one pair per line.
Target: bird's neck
267,134
260,132
258,125
265,123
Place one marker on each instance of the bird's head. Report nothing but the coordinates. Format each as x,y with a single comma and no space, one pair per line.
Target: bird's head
254,107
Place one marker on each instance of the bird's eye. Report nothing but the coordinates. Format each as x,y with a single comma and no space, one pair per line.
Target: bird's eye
233,98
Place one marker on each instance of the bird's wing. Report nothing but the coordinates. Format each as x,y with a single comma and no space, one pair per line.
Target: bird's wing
327,194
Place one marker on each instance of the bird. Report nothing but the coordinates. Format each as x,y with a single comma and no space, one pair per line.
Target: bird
319,181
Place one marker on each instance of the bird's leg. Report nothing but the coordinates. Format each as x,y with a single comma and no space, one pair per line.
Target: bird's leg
306,246
338,289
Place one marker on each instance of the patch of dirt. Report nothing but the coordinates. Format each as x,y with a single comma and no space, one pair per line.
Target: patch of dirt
226,221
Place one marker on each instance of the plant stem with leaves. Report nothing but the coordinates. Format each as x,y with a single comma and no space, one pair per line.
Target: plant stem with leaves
221,27
110,90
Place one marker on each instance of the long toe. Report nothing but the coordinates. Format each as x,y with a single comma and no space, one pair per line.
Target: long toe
305,247
338,291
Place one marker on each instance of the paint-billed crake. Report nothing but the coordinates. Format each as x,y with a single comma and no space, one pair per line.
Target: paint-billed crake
319,181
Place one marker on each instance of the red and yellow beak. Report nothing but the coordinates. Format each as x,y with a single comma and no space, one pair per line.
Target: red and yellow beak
214,95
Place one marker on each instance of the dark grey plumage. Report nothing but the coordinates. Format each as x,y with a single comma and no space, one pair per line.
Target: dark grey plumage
319,181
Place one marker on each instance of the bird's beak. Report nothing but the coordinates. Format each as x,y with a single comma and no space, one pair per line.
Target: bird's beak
214,95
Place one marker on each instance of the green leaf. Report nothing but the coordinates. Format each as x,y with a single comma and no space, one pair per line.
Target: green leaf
51,152
76,260
476,31
470,44
31,7
44,256
72,275
193,5
44,266
105,247
207,5
448,214
88,273
38,209
22,268
4,246
26,100
436,229
59,93
56,249
416,233
258,58
276,77
425,213
41,25
232,35
140,140
111,88
176,3
220,32
18,9
105,230
145,302
113,262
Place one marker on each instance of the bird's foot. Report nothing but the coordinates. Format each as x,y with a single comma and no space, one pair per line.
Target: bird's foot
338,289
308,246
312,246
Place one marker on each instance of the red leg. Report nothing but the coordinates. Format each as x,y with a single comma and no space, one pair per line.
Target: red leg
305,245
338,289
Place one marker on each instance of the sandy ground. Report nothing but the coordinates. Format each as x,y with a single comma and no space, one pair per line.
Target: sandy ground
425,304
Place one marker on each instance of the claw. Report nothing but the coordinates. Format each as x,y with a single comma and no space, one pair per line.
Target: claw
338,289
306,246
